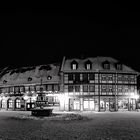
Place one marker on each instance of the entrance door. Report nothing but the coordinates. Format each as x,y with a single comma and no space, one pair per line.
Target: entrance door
76,105
107,106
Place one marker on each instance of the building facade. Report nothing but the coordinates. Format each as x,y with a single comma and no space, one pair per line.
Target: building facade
99,84
19,87
78,84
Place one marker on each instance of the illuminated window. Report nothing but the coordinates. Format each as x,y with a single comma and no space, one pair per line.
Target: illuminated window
18,103
74,65
10,103
88,104
3,104
88,65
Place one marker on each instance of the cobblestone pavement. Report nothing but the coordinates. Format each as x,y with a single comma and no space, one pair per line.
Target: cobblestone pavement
100,126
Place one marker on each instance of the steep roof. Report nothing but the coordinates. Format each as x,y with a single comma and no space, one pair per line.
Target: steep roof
30,75
96,64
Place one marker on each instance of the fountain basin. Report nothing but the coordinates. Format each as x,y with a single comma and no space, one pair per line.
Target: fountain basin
41,112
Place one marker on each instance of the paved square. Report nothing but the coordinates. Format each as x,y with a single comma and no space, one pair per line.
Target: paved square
100,126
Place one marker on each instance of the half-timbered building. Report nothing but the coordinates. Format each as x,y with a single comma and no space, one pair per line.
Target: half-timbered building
100,84
76,84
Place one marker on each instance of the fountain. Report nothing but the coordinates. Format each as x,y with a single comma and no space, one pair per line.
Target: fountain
41,102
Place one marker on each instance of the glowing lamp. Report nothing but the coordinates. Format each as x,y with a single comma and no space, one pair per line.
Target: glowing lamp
136,96
0,98
26,97
34,98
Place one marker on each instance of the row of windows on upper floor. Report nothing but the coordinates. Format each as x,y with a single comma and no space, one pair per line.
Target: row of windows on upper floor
20,89
104,77
103,88
88,65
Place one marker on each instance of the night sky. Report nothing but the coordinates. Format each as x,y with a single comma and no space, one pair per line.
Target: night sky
39,36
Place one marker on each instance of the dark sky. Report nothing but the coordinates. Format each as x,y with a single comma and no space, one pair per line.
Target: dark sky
39,36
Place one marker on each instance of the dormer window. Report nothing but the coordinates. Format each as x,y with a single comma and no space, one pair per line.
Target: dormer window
74,65
88,65
119,66
106,65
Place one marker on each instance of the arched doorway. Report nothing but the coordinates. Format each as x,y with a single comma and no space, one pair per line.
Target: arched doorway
18,103
10,104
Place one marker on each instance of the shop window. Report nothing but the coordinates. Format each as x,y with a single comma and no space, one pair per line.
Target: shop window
88,104
18,103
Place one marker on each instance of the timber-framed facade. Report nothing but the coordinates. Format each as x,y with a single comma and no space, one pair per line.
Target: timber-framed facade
77,84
